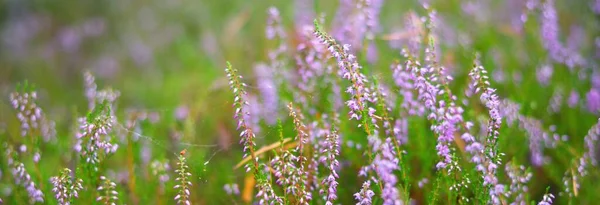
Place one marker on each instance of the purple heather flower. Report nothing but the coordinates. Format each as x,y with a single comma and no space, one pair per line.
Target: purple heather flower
329,157
348,69
266,194
231,189
240,103
274,28
573,99
556,101
593,100
544,74
519,177
65,187
356,21
550,31
364,197
160,170
23,178
31,116
305,13
591,142
405,80
596,6
268,92
95,134
182,112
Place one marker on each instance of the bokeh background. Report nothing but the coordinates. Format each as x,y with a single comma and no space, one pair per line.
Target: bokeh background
168,58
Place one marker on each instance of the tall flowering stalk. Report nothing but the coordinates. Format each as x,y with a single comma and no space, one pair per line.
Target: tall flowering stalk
240,104
65,187
329,156
519,177
22,178
183,181
350,69
384,165
108,194
488,164
365,196
300,175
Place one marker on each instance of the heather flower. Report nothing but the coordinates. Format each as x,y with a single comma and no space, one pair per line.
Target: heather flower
299,176
550,32
364,197
405,81
231,189
348,69
65,187
268,92
33,121
593,100
330,153
240,103
386,163
304,14
547,199
183,181
573,99
23,178
519,177
544,74
107,192
556,101
93,135
160,170
95,96
487,164
274,24
266,194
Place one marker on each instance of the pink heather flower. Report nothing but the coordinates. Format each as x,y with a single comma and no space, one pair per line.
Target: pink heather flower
556,101
544,74
183,181
405,80
330,152
240,103
593,100
364,197
348,69
22,178
304,13
573,99
231,189
160,170
550,32
107,193
274,28
268,91
299,175
65,187
591,142
31,116
266,194
519,177
488,163
95,134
